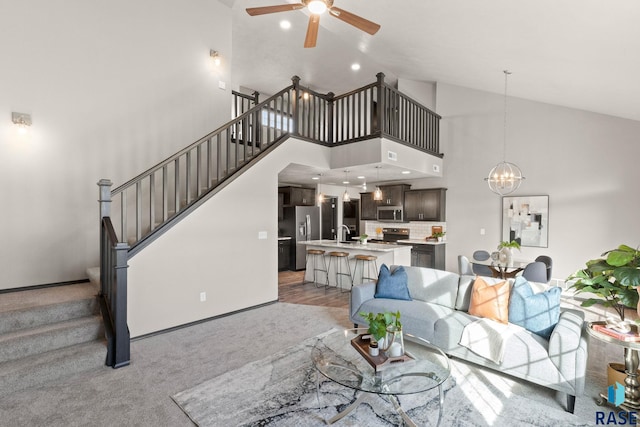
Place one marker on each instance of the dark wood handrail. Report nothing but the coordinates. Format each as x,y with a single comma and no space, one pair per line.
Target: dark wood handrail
173,188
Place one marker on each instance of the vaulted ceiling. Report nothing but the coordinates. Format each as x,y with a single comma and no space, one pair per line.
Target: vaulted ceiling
581,54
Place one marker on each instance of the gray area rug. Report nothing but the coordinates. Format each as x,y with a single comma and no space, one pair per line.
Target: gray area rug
280,390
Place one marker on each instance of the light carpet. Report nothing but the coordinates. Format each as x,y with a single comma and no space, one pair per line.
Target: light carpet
280,390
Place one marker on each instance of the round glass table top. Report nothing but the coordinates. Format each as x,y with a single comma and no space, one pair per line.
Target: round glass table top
337,359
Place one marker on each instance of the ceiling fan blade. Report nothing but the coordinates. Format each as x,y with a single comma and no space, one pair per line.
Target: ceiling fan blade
355,20
312,31
253,11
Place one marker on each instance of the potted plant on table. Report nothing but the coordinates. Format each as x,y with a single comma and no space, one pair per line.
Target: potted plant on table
505,250
613,280
386,329
363,238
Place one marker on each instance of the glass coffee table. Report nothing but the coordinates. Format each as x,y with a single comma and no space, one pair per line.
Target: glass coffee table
336,359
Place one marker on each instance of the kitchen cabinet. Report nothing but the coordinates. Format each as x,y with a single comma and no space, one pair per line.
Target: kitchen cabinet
284,254
368,207
431,256
425,205
298,196
393,195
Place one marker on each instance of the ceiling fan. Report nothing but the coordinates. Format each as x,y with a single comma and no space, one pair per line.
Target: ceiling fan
318,7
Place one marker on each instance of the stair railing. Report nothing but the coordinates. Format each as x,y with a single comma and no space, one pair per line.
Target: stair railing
113,284
160,196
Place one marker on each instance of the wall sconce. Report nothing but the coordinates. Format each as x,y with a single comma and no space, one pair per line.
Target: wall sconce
215,57
22,122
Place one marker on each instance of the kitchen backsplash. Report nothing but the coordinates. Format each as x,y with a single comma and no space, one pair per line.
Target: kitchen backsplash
418,229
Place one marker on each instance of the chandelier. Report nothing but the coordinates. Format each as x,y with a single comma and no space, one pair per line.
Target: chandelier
505,177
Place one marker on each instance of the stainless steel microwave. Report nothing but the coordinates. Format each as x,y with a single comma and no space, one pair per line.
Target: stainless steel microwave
390,213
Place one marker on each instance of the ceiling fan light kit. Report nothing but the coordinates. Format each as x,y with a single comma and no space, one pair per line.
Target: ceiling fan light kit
318,7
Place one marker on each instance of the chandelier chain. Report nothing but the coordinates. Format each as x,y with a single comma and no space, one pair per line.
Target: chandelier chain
504,135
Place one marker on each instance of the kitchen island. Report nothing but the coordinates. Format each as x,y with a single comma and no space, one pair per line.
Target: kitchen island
385,253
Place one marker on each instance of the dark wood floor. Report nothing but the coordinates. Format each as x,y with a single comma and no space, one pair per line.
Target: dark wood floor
291,289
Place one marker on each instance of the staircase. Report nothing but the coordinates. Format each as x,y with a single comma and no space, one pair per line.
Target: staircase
49,334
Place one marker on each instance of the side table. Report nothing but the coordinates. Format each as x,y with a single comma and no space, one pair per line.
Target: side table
631,362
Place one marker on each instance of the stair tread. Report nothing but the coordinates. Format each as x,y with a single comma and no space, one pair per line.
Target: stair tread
41,368
50,327
49,337
20,300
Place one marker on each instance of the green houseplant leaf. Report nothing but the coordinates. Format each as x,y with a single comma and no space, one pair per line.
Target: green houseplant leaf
378,322
613,279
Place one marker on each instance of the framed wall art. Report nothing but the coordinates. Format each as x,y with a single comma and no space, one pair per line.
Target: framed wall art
525,219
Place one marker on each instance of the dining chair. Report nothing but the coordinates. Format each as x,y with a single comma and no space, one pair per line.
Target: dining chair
464,266
481,255
535,272
479,269
548,262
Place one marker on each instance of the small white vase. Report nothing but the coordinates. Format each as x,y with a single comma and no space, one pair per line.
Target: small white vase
506,256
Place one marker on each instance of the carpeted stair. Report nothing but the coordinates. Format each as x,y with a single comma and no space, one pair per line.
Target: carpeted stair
49,334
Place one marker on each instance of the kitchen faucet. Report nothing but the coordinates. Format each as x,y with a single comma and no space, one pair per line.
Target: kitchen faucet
346,228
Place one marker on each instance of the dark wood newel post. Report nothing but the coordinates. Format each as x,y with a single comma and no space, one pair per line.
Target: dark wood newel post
330,97
294,104
381,108
119,307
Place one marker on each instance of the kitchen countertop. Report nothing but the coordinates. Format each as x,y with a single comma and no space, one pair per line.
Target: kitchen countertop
375,247
284,238
420,242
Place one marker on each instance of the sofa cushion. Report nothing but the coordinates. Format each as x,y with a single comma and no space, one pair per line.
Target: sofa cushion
526,354
392,285
431,285
490,301
536,312
463,298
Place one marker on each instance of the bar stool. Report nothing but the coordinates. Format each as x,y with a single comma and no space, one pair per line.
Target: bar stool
367,261
338,256
316,257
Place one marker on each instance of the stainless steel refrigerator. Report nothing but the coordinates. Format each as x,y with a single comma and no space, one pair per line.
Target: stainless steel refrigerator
301,223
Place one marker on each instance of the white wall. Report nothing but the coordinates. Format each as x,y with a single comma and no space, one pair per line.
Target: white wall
216,250
585,162
423,92
113,88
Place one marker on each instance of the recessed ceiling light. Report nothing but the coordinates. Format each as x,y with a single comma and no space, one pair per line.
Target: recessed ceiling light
406,172
285,25
315,177
345,182
355,66
361,177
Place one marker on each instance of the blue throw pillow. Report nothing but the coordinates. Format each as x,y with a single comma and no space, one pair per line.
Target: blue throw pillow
537,313
392,285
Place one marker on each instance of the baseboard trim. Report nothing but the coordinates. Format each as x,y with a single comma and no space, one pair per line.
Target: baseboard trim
197,322
43,286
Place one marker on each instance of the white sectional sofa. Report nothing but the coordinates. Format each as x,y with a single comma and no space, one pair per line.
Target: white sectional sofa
438,313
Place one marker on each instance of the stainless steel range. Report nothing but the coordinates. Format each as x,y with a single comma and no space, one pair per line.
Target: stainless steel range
391,235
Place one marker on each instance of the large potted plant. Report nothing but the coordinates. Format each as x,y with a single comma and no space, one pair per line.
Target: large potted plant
613,279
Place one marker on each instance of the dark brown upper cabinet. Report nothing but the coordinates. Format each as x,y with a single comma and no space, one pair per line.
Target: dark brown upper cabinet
298,196
425,205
